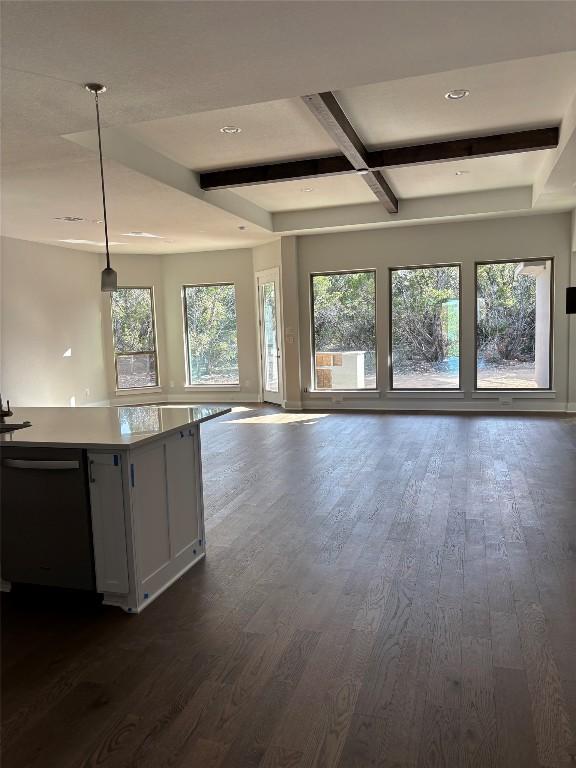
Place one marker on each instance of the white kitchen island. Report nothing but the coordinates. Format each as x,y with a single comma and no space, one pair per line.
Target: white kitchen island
134,473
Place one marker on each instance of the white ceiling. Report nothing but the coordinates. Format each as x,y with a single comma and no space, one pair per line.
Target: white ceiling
270,132
302,195
474,175
177,72
528,92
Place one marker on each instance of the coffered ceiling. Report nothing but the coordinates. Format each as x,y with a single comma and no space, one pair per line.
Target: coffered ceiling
178,72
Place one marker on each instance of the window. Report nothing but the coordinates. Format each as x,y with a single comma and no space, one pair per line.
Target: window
134,338
513,322
425,327
211,334
344,330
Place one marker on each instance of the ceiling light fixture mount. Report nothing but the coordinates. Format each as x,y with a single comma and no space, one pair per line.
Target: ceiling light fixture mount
457,94
461,173
69,219
230,129
109,278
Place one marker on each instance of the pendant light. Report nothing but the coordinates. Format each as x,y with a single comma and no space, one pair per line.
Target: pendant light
109,280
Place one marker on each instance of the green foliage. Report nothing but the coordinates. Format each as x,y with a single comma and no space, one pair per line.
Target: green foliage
424,314
212,342
506,313
344,313
132,320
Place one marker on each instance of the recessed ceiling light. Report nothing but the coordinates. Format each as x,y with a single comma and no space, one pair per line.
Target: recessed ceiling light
364,171
307,189
141,234
461,173
69,218
242,227
87,242
230,129
457,93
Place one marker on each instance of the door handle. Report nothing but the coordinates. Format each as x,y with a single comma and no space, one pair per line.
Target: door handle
40,464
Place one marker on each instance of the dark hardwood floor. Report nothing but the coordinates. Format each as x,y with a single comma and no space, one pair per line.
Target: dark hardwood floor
380,590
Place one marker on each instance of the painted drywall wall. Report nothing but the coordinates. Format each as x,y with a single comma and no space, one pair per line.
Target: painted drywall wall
572,322
37,331
464,243
235,266
267,256
291,299
51,309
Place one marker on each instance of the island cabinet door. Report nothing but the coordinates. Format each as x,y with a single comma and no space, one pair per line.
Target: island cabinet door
108,522
166,511
184,501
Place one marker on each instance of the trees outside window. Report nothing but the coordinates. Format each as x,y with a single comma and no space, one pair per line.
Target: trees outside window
134,337
425,327
211,334
344,330
513,321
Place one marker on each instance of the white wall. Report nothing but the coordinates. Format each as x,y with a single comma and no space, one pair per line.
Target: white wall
572,322
50,303
462,242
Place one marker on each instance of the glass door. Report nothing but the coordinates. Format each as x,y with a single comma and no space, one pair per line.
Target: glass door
270,334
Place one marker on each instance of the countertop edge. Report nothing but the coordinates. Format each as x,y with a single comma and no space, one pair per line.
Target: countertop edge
145,440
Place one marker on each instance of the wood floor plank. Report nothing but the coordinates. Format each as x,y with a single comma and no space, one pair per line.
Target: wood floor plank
515,728
478,721
554,735
381,590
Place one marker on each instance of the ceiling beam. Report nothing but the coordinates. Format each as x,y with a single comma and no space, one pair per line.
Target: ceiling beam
291,170
395,157
329,113
462,149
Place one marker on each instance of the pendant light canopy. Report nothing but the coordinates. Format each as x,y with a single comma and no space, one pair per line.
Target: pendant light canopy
109,280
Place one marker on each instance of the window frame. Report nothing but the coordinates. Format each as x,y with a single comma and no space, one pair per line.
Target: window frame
549,388
391,386
327,273
189,382
154,351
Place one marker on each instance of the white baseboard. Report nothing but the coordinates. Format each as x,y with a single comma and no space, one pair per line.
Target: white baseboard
292,405
212,396
519,405
445,406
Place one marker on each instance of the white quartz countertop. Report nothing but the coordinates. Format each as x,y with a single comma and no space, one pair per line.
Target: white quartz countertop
108,427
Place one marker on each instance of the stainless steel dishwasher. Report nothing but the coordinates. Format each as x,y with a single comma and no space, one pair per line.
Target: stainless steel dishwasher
46,526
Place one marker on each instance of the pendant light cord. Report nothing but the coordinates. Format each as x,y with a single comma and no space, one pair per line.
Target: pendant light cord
102,180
